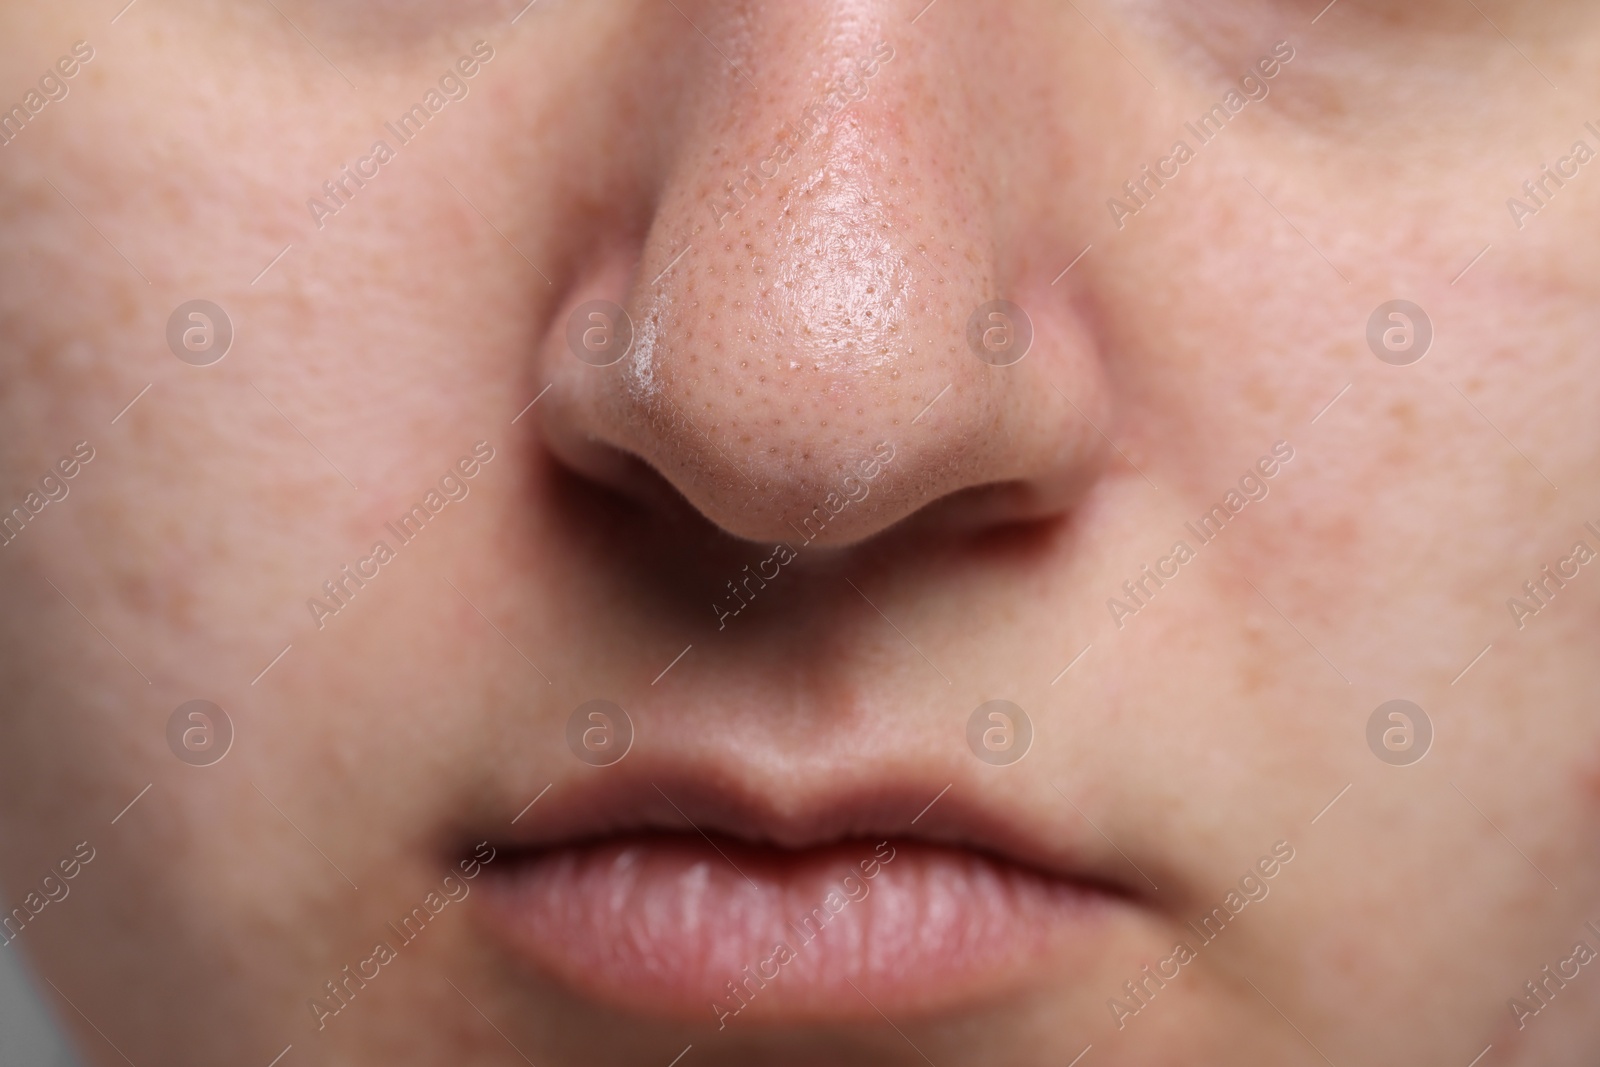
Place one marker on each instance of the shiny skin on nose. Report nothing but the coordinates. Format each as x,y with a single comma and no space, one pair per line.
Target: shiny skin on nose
823,332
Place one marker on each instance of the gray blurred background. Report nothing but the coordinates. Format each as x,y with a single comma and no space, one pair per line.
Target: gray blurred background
28,1035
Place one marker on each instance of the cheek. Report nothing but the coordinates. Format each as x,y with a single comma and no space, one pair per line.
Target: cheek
1586,783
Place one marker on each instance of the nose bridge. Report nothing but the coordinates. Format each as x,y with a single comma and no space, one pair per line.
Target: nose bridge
784,125
814,223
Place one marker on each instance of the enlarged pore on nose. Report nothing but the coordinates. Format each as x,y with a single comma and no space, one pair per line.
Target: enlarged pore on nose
801,315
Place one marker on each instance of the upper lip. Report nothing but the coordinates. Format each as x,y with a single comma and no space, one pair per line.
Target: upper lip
663,794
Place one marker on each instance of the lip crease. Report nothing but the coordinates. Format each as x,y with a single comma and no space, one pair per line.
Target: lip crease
702,902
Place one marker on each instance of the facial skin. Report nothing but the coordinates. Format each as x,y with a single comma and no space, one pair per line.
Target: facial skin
775,346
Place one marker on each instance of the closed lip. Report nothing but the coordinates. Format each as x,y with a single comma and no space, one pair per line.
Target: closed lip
645,795
660,887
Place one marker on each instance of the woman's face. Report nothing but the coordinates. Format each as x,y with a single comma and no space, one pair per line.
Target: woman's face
848,533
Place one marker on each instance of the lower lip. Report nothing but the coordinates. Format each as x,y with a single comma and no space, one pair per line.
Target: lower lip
668,927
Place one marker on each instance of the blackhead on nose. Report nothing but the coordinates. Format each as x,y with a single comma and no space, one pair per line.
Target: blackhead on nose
826,318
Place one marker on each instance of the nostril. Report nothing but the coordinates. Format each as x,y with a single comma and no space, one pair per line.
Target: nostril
985,507
689,396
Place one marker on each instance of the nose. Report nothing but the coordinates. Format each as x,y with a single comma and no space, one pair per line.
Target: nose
836,319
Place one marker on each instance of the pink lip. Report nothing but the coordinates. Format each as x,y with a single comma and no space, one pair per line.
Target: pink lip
664,925
834,916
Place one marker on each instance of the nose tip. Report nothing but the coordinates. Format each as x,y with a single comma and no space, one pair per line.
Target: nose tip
815,342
